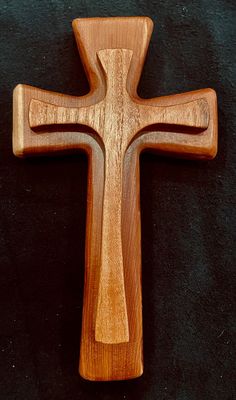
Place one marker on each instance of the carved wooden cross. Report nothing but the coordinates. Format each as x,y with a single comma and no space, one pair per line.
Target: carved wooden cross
113,125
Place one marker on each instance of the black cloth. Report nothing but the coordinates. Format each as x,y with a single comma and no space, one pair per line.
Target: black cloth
188,214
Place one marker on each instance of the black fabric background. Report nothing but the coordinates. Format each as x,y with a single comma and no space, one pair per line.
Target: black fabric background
188,214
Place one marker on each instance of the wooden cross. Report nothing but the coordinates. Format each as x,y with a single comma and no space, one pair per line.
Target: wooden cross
113,125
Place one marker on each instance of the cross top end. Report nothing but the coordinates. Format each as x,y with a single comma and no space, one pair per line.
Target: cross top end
95,34
112,124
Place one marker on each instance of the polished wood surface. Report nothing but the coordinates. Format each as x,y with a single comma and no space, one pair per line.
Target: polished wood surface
113,125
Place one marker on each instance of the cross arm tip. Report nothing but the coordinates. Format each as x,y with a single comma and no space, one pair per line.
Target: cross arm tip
18,121
213,146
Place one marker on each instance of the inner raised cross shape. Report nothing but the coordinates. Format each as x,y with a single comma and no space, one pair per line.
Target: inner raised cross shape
114,125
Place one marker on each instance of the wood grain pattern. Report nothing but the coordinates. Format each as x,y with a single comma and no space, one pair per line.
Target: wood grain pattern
113,125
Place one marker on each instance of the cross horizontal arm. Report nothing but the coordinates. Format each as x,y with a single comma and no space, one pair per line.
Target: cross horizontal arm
25,140
187,126
43,114
194,114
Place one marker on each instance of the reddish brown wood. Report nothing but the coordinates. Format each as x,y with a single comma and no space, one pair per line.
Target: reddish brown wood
113,125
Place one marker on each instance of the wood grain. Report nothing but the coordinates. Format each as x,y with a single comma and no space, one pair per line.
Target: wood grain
113,125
